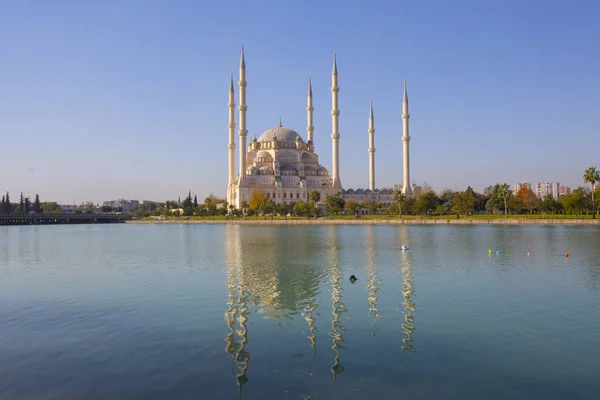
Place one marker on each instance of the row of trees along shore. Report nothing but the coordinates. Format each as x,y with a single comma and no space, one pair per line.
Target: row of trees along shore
26,206
495,199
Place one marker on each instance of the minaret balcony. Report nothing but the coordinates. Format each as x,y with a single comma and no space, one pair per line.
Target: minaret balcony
405,116
243,108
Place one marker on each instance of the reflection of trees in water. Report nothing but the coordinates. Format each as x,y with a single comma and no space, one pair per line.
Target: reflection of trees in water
337,305
408,304
372,278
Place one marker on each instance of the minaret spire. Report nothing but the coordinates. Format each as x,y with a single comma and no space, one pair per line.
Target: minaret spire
309,110
371,148
231,145
242,132
406,189
335,134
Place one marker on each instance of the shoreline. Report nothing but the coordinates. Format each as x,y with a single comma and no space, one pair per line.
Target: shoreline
433,221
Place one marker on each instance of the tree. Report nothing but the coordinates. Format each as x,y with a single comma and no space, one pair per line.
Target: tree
301,209
22,204
504,193
592,176
195,201
257,197
528,198
399,198
464,202
314,196
335,204
50,208
188,205
548,204
575,203
244,205
37,206
352,205
27,205
7,209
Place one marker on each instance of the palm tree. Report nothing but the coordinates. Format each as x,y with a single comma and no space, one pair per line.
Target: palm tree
314,196
399,197
592,176
504,193
244,206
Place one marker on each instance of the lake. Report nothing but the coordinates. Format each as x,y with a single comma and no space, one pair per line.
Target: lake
268,312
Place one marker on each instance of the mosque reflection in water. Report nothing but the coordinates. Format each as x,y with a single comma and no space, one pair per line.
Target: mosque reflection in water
270,283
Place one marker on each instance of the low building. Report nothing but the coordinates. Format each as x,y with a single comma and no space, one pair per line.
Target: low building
124,205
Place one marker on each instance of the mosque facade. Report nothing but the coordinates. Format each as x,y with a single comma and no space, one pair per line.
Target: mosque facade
285,166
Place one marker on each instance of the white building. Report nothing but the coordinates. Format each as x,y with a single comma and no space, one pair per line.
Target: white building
542,189
125,205
521,185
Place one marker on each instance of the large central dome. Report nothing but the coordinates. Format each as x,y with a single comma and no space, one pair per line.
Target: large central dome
280,132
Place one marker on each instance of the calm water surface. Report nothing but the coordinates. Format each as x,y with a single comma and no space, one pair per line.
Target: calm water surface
268,312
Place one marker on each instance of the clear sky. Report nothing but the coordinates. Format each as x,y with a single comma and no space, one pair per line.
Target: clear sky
107,99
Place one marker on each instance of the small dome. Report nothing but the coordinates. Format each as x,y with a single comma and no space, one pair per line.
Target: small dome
264,154
281,133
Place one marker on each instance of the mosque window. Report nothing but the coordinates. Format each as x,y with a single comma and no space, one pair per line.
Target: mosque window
286,157
285,195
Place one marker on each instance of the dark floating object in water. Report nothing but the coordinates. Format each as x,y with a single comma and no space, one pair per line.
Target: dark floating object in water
353,278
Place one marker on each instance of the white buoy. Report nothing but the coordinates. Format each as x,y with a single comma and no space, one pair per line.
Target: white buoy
404,247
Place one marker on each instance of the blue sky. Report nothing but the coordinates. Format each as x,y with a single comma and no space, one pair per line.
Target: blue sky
129,98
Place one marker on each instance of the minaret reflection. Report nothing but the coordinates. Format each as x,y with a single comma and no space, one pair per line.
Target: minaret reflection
237,300
408,326
372,279
337,305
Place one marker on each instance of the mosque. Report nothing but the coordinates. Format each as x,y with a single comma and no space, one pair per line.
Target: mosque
286,166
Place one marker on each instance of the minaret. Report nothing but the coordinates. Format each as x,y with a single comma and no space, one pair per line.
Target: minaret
371,149
242,132
406,189
309,109
335,134
231,145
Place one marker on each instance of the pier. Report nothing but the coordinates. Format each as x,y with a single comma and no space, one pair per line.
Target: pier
55,219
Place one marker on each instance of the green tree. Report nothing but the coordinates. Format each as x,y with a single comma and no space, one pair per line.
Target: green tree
399,198
245,206
575,203
27,205
314,196
301,209
504,193
106,209
335,204
195,201
50,208
464,202
37,206
8,206
592,176
22,204
188,205
548,204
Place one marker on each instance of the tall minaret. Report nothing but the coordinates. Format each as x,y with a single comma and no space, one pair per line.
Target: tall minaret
371,149
406,189
231,145
243,107
309,109
335,134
